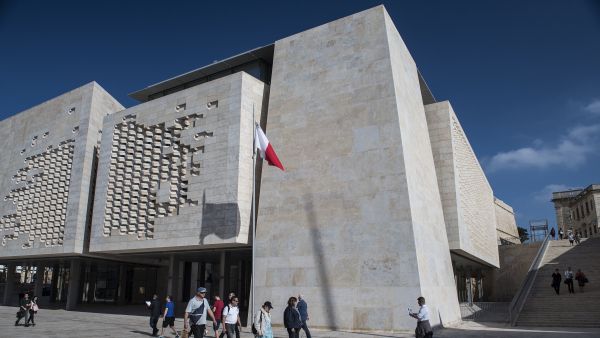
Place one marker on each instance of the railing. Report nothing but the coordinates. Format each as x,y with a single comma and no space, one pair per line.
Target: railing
516,305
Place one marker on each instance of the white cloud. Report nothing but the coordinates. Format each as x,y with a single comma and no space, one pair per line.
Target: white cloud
593,107
571,151
545,195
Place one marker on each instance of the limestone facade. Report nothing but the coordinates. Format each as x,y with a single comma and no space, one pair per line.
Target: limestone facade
467,197
577,210
355,223
176,172
47,172
381,184
506,224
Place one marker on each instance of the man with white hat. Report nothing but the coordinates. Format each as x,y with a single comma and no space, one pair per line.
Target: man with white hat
196,312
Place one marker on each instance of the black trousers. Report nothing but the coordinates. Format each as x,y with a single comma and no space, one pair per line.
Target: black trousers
570,285
153,322
306,330
556,288
293,333
197,331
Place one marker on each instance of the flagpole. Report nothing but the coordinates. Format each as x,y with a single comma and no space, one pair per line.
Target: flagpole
253,210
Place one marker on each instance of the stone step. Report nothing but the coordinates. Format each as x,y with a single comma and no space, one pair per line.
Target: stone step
581,309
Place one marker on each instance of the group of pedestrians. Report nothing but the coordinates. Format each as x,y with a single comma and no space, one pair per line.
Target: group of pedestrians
573,237
225,317
295,316
569,277
28,308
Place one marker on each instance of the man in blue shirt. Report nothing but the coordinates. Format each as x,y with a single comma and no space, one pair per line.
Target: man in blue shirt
169,318
303,309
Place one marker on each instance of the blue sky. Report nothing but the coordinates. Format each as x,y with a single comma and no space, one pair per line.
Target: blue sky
523,76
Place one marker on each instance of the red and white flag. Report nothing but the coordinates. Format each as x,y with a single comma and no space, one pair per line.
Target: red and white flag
265,148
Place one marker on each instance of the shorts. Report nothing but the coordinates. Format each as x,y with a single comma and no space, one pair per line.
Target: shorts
168,321
216,324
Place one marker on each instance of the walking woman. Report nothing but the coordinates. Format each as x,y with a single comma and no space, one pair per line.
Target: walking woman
32,311
581,279
291,318
262,322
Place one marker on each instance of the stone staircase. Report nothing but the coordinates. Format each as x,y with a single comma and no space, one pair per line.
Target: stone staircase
544,308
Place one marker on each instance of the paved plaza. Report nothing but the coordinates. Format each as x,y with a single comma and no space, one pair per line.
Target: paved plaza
63,324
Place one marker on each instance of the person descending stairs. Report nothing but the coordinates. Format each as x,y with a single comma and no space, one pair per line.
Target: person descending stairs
544,307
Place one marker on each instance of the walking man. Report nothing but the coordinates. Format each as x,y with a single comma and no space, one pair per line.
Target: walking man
237,330
303,309
423,329
169,318
553,234
556,278
231,317
154,307
569,280
561,233
195,314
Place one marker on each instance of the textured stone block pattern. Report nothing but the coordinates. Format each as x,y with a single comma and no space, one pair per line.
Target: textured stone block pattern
146,160
176,172
475,196
506,223
40,196
46,173
467,197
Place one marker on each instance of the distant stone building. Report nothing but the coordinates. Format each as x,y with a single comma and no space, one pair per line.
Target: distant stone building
577,210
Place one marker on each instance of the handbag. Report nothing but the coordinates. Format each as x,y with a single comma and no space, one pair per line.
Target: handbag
254,331
185,334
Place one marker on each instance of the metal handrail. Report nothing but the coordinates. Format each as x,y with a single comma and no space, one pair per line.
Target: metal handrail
518,301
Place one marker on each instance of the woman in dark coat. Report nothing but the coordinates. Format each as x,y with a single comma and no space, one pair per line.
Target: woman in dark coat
291,318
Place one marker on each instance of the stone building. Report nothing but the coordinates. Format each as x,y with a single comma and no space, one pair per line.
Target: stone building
383,198
506,226
577,210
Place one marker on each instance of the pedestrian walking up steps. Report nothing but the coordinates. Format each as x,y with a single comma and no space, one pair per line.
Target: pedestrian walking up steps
544,308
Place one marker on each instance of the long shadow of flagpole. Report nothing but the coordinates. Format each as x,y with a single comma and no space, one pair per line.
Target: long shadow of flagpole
318,255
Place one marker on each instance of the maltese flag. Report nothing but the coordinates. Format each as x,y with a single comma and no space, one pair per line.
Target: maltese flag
265,148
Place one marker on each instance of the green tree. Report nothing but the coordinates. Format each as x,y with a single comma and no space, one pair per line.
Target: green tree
523,234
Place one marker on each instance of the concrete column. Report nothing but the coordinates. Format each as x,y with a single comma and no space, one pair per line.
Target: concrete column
172,278
122,284
179,280
39,281
194,278
74,277
222,275
9,288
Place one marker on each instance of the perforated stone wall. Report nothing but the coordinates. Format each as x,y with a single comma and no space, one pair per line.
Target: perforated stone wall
40,196
46,173
176,172
149,173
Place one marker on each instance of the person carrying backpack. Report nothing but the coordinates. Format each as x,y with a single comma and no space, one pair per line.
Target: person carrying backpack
231,317
195,314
